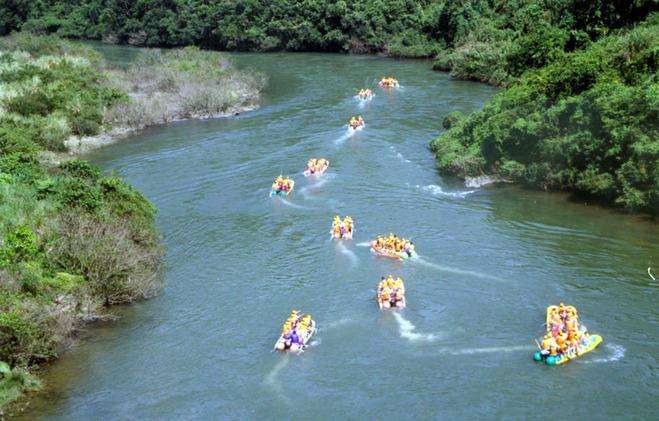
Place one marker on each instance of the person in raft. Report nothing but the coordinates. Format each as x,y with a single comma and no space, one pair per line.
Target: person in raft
356,122
295,329
282,184
365,94
388,82
316,166
564,333
342,229
391,292
393,245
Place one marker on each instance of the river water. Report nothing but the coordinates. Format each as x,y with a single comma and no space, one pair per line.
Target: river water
491,260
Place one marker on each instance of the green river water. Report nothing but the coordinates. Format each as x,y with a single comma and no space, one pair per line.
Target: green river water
491,260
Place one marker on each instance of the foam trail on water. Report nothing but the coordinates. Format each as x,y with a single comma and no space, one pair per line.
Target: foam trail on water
494,349
617,353
342,248
292,205
345,136
454,270
364,244
436,190
407,330
318,184
271,378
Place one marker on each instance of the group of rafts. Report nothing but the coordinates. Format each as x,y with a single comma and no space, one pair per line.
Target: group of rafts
564,340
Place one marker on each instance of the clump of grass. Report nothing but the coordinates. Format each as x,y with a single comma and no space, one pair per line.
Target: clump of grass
180,84
13,383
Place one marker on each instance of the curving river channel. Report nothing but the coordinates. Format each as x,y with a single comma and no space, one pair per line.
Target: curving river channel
491,260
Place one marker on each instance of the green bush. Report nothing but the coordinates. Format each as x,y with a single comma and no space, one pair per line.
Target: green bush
18,244
587,122
53,272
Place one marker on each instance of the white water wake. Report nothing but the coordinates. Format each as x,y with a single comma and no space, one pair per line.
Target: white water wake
436,190
272,381
292,205
494,349
344,250
617,353
347,135
364,244
455,270
315,186
407,330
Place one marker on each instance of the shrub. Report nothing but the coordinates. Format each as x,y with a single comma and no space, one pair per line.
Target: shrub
103,251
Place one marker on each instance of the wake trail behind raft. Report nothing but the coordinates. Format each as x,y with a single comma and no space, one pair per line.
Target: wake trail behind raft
344,250
293,205
347,135
455,270
618,352
407,330
272,381
494,349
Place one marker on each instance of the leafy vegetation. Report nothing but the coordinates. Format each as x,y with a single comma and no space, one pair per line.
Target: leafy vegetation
73,241
493,41
587,122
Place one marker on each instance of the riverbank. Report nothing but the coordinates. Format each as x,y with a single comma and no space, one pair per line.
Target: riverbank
73,242
587,123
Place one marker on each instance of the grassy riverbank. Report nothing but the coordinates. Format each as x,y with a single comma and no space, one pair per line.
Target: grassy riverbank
73,241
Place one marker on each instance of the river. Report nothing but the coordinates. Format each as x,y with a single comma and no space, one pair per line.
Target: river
491,260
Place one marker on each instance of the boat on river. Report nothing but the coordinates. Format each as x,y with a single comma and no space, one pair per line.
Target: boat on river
296,333
391,293
365,95
316,166
342,229
393,247
282,187
565,338
388,82
356,123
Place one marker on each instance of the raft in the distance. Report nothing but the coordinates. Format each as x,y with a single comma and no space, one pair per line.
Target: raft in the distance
365,95
356,123
393,247
282,187
316,166
391,293
342,229
296,333
566,338
388,83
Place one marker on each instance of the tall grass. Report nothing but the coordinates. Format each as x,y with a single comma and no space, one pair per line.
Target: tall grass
181,84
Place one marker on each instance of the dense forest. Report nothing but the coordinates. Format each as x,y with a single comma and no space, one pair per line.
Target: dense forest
487,40
579,114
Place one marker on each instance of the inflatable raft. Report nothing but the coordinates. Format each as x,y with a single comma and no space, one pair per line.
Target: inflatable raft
318,171
565,337
284,344
388,82
586,345
281,192
401,255
342,229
